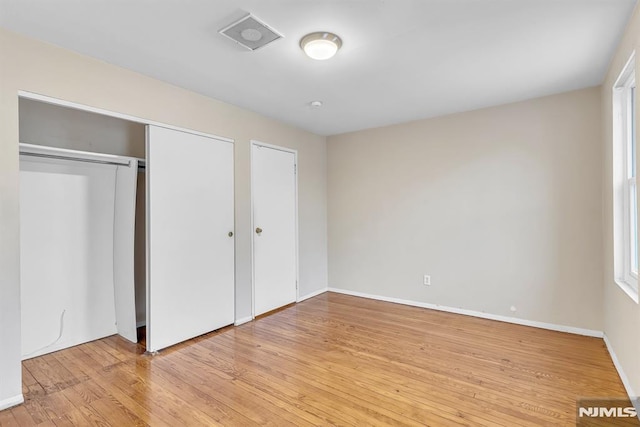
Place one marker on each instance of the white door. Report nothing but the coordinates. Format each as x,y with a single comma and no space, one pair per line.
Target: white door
190,244
275,227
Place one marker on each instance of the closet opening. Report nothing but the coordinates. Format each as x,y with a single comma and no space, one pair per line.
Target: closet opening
83,260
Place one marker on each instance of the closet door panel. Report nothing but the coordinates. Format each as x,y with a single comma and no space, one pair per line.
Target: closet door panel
123,250
190,279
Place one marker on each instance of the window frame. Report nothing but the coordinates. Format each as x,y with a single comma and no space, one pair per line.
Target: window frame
625,180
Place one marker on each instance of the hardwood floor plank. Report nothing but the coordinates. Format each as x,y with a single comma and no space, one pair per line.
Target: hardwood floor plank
33,407
439,360
148,410
7,419
490,348
355,374
186,387
98,356
72,418
47,423
21,415
55,405
387,361
93,417
293,397
84,393
318,390
40,370
226,395
330,360
325,382
30,386
116,413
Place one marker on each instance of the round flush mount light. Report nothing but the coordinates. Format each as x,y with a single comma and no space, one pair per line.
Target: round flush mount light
316,104
320,45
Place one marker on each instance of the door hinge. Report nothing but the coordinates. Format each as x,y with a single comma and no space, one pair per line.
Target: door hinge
295,168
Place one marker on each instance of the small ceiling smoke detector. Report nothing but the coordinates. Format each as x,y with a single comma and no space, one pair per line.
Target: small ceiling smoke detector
250,32
316,104
320,45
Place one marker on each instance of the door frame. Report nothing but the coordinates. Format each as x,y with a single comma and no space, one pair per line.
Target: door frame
257,143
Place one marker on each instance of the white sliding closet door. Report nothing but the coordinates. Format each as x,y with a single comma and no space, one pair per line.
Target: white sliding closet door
190,248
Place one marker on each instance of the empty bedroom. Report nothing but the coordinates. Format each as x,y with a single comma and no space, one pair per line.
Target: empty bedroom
302,212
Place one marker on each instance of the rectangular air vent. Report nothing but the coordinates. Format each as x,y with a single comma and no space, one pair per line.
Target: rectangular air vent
250,32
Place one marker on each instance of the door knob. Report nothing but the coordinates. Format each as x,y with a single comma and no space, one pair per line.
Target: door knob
258,230
231,234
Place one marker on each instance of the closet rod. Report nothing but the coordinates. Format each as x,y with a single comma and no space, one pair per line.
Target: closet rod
77,159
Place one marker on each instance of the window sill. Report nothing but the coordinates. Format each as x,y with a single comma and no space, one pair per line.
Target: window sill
628,289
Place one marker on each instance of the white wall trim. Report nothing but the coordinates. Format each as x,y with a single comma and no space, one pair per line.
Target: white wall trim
507,319
243,321
12,401
635,399
312,294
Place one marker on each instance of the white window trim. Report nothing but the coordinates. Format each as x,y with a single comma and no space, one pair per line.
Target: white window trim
624,249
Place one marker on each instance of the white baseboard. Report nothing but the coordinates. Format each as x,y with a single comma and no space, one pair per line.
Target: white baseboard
243,321
141,323
312,294
635,398
12,401
500,318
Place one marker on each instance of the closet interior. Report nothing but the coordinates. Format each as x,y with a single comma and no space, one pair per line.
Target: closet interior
82,227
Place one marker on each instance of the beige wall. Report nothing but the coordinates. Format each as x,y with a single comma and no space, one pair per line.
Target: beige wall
621,313
501,206
37,67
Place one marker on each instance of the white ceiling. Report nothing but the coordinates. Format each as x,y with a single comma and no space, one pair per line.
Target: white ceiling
401,59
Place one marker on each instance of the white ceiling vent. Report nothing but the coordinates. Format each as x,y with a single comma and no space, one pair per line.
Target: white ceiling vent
250,32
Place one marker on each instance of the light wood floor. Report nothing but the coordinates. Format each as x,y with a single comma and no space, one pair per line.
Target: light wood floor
331,360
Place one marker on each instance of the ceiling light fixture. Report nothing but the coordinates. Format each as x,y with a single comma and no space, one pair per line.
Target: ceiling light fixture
320,45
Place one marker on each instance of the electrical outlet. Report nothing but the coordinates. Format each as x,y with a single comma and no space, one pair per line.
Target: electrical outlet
427,280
